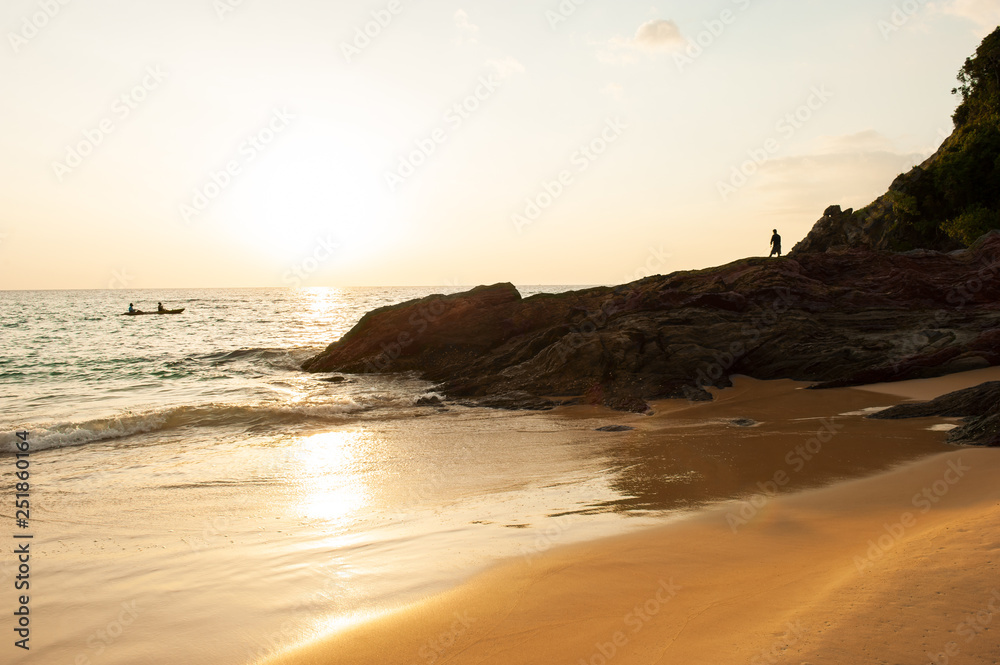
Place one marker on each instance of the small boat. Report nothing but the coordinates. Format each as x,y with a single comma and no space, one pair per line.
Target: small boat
139,312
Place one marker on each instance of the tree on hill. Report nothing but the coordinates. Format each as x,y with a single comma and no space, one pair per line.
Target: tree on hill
969,173
979,84
950,200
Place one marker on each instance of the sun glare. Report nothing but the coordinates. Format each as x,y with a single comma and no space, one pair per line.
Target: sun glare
332,481
313,189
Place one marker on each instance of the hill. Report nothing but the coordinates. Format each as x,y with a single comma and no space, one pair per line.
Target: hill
951,199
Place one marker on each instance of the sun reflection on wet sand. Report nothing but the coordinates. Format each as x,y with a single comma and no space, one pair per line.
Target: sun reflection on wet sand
329,471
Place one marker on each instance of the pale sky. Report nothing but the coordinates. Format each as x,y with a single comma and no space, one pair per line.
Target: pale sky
226,143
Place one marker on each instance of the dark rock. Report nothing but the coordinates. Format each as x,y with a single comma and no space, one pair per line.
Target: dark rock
835,318
629,403
394,339
743,422
984,431
433,400
979,401
980,406
514,401
615,428
335,379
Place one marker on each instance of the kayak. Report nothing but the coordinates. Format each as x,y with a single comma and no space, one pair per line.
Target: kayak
141,313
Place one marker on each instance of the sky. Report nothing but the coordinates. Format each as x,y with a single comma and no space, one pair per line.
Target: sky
250,143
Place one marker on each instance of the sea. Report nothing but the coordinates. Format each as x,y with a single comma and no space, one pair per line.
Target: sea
194,497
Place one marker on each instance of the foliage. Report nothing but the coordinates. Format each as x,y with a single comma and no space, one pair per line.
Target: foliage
956,195
904,205
972,224
979,84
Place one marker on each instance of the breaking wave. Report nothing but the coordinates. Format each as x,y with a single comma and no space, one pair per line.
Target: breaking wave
246,416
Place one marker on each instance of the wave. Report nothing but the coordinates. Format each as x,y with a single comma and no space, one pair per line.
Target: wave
277,358
247,416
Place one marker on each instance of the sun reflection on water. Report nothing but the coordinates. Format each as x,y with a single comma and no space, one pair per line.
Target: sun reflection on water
326,305
330,472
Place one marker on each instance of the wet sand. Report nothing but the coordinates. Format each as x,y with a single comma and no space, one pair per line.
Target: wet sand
899,567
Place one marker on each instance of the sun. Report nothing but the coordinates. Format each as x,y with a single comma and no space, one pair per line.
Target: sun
314,184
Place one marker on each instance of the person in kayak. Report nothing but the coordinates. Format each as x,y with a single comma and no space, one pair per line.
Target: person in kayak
131,309
159,307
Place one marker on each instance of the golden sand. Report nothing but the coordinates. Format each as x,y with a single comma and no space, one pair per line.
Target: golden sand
898,568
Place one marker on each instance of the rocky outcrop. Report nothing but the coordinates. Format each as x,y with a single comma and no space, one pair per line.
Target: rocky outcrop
887,224
945,203
980,406
437,331
837,318
950,200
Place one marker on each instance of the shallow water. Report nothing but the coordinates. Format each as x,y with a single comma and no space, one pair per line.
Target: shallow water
197,499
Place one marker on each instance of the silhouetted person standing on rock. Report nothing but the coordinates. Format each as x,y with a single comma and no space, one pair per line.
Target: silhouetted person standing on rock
775,244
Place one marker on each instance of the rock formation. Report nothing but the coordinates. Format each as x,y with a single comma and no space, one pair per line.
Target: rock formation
842,310
980,406
838,318
951,199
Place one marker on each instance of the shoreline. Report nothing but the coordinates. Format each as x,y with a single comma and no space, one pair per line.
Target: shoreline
824,575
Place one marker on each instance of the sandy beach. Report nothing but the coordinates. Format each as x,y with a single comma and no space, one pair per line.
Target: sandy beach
501,333
899,567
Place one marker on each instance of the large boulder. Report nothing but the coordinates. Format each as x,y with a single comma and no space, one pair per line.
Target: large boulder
436,330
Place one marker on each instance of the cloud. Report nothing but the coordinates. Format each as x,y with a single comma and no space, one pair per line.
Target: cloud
468,31
658,35
506,67
851,170
655,36
862,142
984,13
